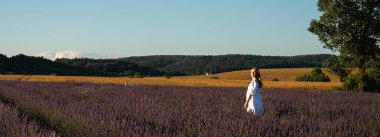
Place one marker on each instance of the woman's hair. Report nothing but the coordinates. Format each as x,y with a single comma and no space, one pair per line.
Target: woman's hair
257,75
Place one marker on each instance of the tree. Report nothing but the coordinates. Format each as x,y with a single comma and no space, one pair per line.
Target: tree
336,67
352,28
316,75
3,63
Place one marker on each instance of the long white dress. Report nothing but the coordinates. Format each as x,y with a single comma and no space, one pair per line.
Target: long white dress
255,104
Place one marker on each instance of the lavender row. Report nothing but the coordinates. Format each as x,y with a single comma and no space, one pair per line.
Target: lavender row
14,124
84,109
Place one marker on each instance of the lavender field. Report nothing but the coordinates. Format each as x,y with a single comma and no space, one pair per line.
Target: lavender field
85,109
12,123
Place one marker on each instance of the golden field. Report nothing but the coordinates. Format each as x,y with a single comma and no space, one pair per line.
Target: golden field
282,74
285,76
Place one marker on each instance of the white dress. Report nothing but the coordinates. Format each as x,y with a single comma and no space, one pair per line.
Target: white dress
255,104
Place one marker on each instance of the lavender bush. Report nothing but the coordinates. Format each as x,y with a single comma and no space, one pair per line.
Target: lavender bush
14,124
85,109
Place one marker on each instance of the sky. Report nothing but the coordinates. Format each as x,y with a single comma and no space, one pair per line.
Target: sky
123,28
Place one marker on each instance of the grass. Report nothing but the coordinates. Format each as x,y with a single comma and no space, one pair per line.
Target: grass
286,77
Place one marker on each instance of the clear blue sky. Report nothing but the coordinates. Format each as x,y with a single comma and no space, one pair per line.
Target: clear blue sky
122,28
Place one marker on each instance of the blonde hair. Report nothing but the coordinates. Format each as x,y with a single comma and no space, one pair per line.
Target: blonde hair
256,74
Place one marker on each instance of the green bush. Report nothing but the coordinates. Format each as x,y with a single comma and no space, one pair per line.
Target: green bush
214,77
359,82
138,75
316,75
351,82
373,81
316,71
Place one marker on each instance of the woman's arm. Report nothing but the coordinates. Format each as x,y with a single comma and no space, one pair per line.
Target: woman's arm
254,85
246,102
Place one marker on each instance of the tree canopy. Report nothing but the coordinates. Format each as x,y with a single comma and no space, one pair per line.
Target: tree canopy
195,65
351,28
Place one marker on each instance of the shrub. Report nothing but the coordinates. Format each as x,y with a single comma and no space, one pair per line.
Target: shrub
127,73
316,75
351,82
138,75
214,77
354,83
373,79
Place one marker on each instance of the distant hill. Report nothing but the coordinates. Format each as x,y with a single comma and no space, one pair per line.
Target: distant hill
195,65
159,65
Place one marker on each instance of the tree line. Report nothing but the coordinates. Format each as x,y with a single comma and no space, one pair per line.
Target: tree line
30,65
160,65
195,65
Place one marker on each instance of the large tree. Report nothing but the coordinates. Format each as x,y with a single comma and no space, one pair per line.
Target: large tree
351,28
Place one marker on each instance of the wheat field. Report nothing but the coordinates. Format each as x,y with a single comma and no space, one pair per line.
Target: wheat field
286,77
282,74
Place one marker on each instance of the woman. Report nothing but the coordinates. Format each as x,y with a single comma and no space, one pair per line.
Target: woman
253,103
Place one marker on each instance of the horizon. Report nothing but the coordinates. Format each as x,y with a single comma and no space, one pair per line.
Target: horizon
117,29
